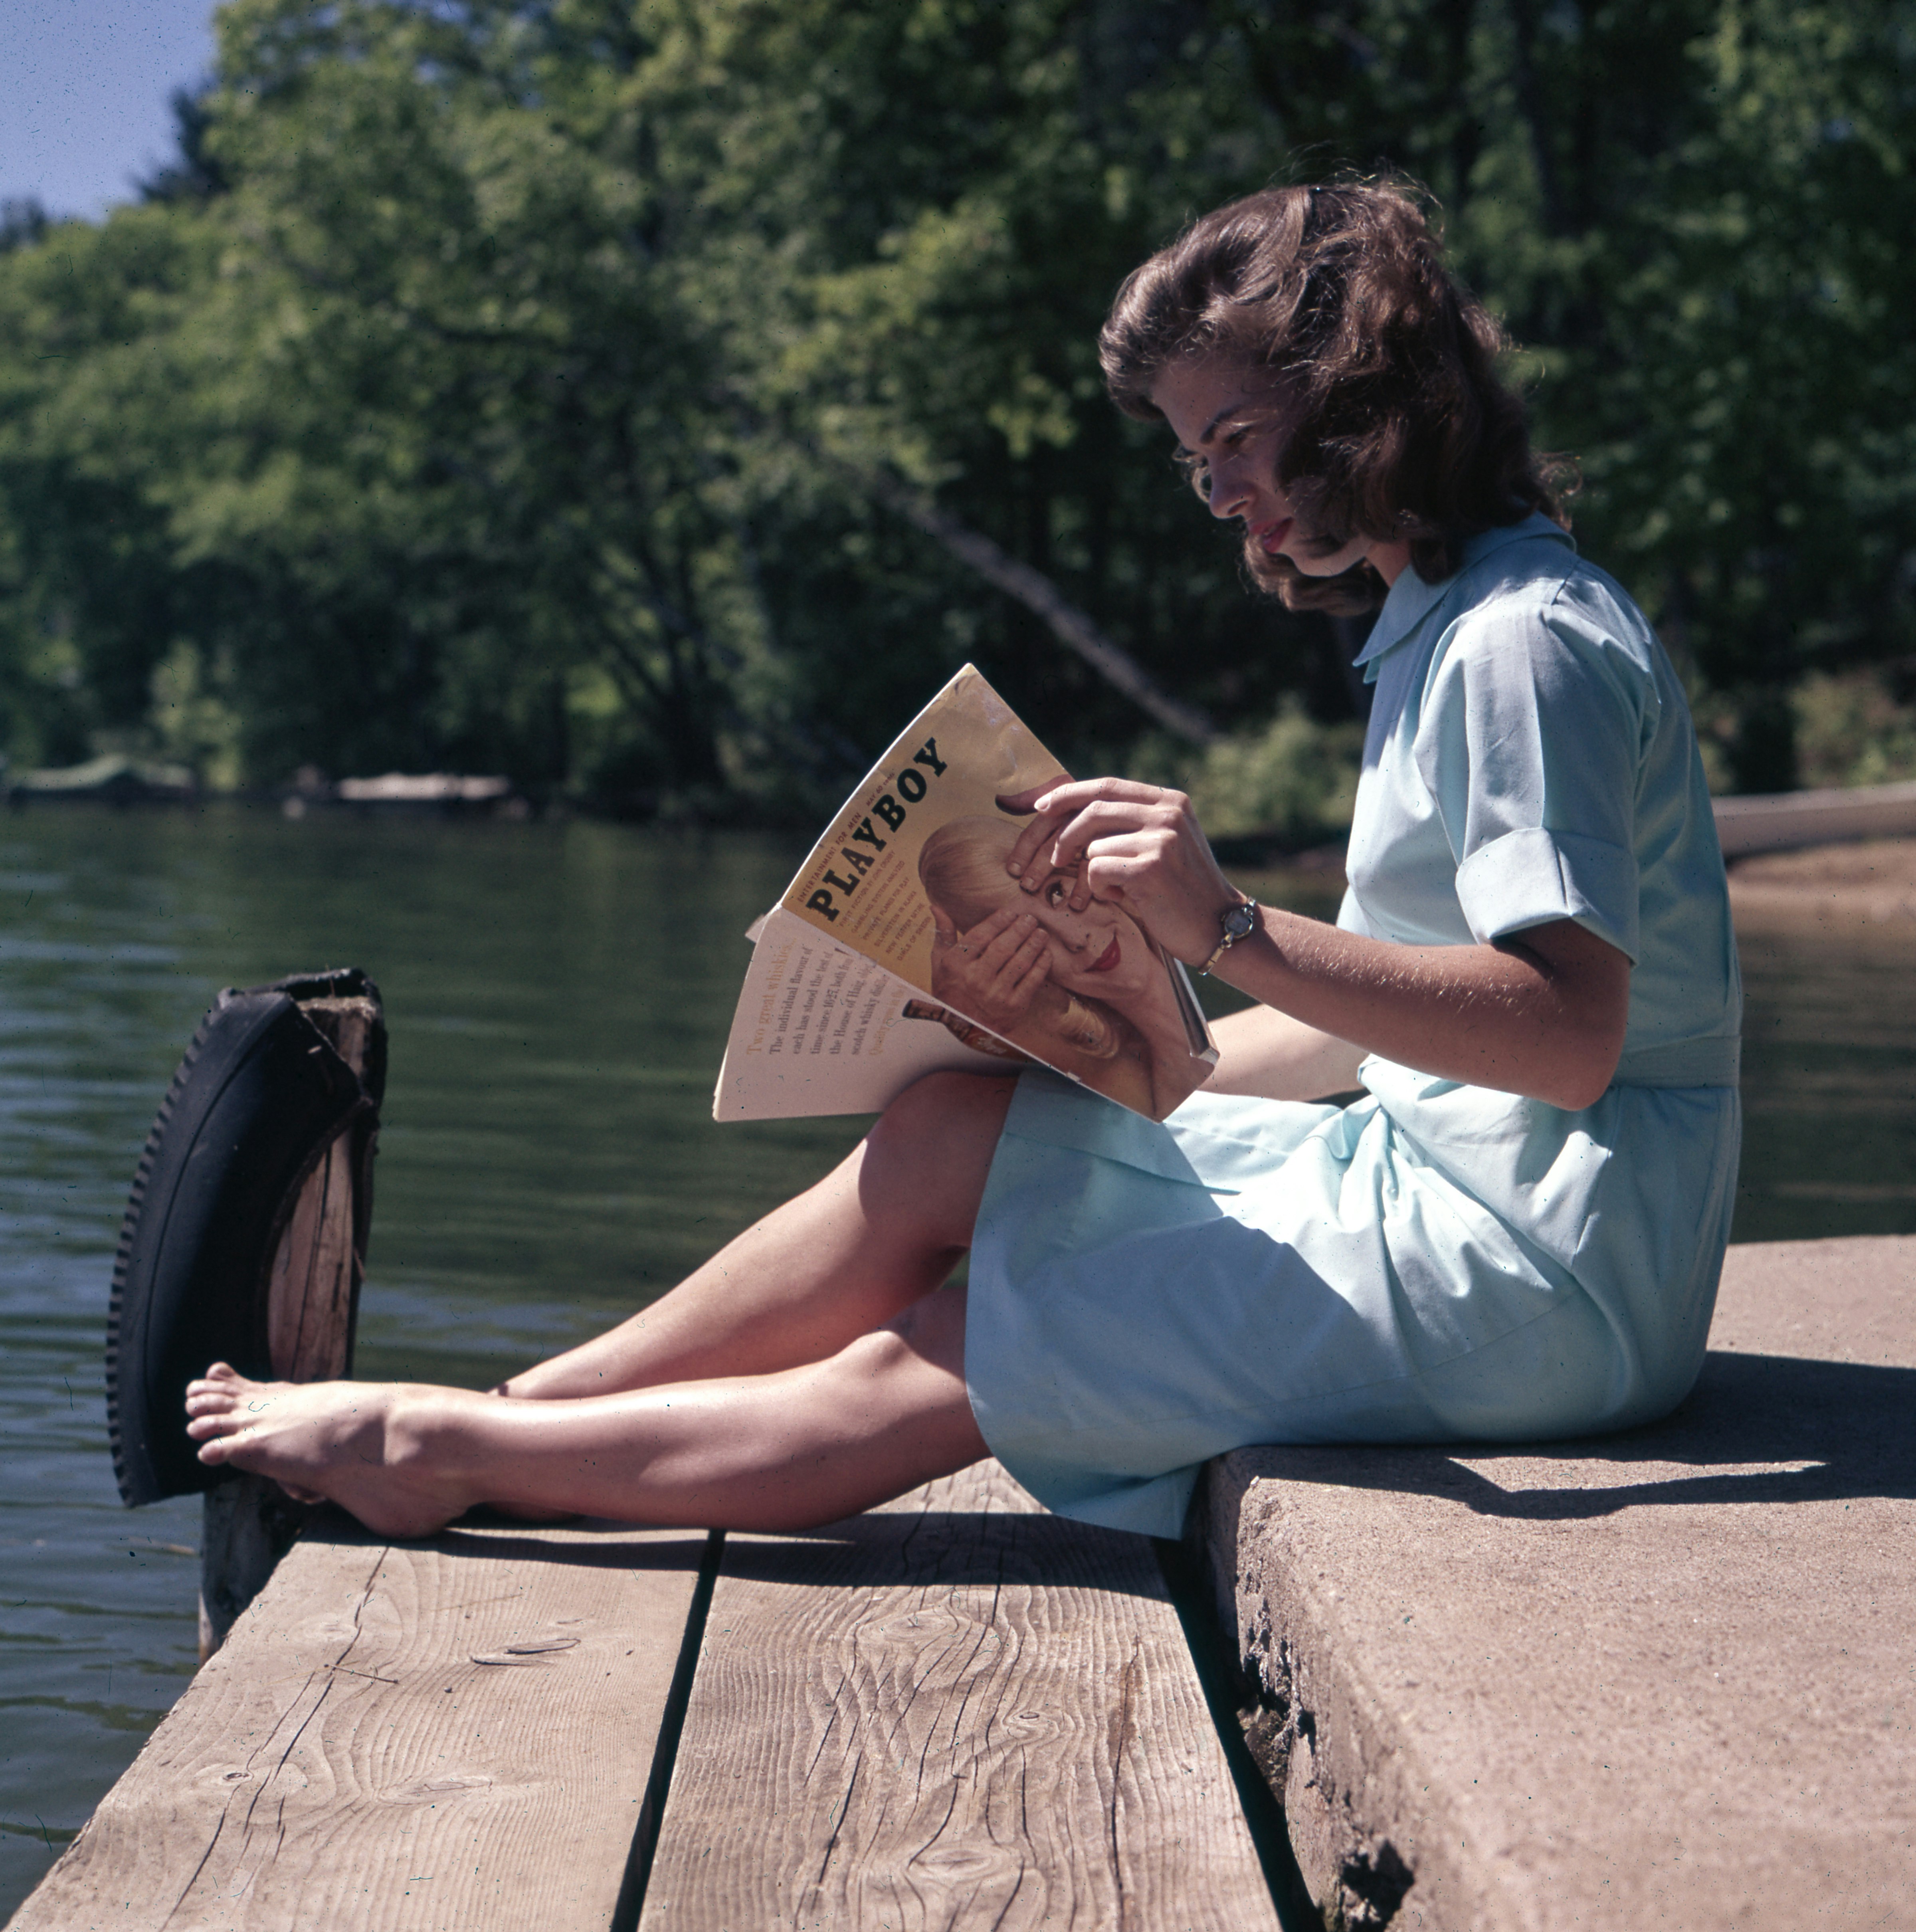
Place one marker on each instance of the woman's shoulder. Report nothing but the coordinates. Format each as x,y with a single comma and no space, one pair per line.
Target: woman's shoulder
1544,635
1540,600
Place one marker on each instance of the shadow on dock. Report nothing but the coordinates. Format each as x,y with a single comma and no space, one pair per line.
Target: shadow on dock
1845,1425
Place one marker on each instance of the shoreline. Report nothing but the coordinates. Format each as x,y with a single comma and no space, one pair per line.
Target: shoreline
1872,883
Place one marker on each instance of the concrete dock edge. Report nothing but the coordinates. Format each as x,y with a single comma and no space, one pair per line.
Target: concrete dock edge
1666,1678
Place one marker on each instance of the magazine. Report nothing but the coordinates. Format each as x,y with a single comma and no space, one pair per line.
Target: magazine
857,983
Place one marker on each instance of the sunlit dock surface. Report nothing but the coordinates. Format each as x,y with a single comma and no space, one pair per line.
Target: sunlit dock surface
955,1710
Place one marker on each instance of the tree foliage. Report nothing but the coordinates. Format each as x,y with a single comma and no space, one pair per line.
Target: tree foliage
528,385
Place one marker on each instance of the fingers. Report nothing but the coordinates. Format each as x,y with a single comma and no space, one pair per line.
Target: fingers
1055,809
1104,865
1029,967
993,944
1018,934
1017,803
1124,843
1071,817
991,973
1109,839
973,943
1031,839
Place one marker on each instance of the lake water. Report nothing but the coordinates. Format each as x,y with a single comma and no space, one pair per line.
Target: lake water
558,998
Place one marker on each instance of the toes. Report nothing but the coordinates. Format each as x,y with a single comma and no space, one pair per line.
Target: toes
219,1385
205,1401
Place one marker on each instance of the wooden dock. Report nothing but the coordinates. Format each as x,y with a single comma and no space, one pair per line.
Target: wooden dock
955,1711
1662,1678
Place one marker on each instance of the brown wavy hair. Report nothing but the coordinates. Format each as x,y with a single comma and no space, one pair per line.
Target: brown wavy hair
1383,367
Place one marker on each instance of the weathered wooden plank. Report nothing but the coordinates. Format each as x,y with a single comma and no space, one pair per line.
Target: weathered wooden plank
953,1712
347,1760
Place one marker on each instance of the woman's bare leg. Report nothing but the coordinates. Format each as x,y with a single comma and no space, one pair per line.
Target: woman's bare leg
877,1234
785,1450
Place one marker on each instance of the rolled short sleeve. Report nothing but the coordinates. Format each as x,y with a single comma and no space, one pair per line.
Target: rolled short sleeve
1536,722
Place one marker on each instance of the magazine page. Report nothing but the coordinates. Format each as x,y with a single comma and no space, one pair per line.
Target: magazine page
820,1029
914,864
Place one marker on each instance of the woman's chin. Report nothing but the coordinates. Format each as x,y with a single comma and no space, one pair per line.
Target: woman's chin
1116,986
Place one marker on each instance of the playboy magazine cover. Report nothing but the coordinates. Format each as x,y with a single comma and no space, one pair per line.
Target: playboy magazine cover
870,971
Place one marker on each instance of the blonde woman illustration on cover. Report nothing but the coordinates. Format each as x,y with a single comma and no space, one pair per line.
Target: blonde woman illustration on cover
1083,990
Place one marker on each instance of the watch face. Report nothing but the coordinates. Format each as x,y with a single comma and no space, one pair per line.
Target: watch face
1239,919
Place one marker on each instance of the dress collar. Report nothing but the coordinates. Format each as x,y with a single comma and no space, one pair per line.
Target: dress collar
1411,599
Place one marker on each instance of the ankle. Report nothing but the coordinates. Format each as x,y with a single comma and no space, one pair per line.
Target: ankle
440,1436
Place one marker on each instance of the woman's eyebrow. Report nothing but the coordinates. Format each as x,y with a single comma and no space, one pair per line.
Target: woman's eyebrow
1210,429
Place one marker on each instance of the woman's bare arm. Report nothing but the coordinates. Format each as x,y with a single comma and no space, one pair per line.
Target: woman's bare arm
1541,1013
1554,982
1267,1053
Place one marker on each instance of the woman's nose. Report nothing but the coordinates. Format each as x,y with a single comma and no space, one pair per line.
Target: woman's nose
1228,491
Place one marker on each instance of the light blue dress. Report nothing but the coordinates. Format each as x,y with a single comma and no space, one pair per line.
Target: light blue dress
1435,1262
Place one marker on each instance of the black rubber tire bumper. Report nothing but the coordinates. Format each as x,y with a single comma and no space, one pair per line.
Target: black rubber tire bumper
259,1100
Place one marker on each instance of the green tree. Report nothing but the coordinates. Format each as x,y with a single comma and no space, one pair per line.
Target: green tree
93,591
657,397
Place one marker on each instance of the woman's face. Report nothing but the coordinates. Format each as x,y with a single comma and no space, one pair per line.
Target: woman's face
1225,417
1101,951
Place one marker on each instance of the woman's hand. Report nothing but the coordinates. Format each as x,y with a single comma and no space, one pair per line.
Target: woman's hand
992,973
1137,846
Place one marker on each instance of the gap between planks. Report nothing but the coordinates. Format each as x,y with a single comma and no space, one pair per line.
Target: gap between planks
955,1711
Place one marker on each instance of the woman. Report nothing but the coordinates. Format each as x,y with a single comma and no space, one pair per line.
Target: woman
1516,1231
1085,990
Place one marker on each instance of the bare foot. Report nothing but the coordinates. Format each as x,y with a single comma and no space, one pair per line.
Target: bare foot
363,1445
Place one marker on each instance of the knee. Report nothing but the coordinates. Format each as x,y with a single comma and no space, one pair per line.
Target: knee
920,1349
931,1149
939,1105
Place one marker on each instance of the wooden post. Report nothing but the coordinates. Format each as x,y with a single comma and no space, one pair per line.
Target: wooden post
249,1522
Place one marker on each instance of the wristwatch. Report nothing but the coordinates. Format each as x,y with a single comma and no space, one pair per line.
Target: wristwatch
1240,922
